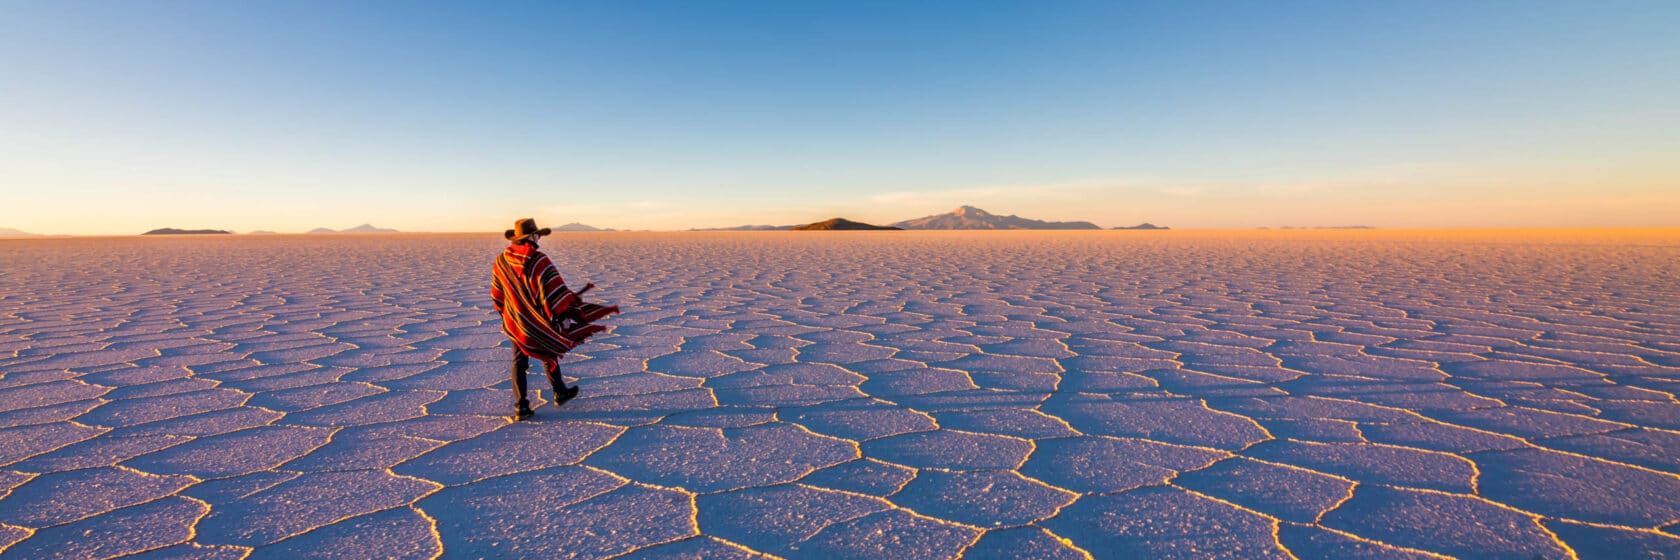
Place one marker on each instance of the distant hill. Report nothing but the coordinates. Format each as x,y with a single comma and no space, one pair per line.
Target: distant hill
1145,225
840,224
9,232
173,231
259,232
748,228
574,226
364,228
969,217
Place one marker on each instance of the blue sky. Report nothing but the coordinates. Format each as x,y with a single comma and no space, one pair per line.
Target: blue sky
428,116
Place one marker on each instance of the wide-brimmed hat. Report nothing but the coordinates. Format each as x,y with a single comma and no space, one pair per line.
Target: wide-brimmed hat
523,228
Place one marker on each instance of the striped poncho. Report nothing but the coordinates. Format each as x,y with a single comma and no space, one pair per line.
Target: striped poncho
543,317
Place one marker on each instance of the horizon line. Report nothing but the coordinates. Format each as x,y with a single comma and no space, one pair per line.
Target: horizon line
1270,229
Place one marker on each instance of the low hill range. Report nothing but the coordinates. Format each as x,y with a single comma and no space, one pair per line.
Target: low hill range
841,224
965,217
574,226
173,231
364,228
969,217
9,232
1143,226
748,228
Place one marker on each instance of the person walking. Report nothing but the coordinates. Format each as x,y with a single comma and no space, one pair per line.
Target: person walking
542,317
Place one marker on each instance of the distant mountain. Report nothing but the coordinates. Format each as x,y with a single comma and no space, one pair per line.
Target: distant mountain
9,232
840,224
173,231
969,217
1145,225
574,226
364,228
747,228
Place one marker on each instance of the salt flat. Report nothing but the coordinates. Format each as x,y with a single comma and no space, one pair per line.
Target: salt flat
1319,394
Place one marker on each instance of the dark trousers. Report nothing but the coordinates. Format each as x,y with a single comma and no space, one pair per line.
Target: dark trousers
522,364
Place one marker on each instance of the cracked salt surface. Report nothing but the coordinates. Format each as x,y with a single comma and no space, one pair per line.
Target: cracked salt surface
914,395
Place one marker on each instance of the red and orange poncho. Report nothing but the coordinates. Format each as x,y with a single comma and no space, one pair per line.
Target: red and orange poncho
543,317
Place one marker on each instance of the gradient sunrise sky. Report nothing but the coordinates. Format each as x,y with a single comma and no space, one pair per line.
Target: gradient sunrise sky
118,117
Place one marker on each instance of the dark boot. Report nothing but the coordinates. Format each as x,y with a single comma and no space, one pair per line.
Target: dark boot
563,395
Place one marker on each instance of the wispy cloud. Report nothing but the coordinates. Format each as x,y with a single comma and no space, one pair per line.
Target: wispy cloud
1183,190
1289,189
